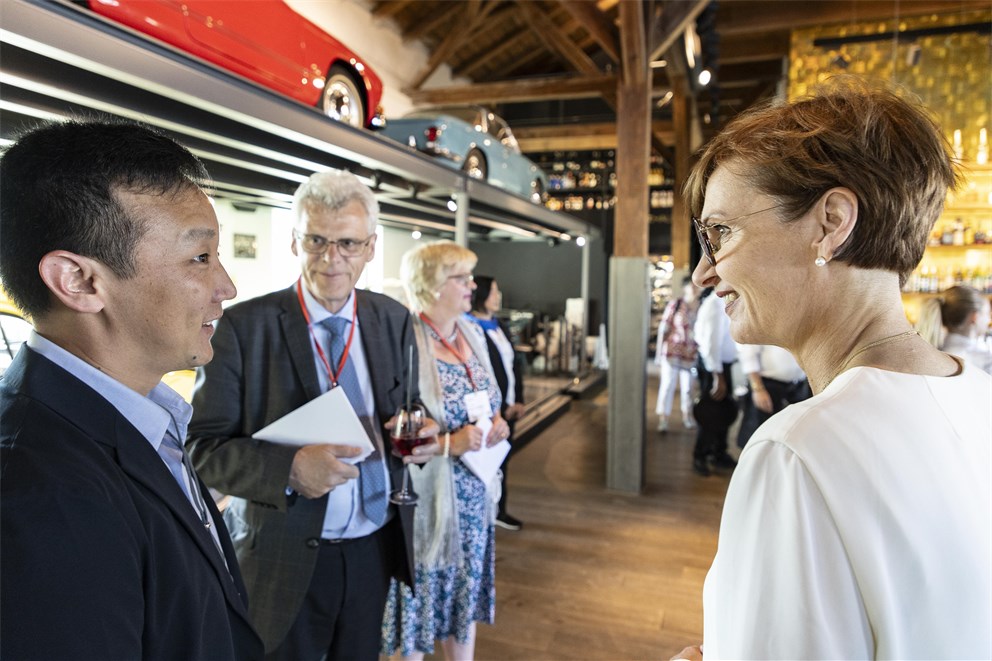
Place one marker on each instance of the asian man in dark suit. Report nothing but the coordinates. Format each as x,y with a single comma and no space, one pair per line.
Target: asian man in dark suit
108,549
316,536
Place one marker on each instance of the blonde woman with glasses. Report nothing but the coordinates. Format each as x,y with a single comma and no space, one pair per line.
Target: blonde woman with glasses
455,536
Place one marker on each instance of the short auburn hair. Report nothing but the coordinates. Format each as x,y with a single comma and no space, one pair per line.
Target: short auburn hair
850,133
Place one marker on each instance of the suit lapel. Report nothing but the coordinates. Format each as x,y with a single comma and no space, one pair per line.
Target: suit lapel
299,343
97,418
140,461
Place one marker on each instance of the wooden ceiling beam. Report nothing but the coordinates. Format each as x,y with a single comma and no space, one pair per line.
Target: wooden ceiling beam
670,21
390,8
474,13
596,24
751,17
446,14
584,137
738,49
466,11
480,61
557,40
516,91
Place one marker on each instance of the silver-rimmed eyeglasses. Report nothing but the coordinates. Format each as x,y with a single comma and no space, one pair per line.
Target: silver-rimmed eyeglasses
316,244
711,235
464,279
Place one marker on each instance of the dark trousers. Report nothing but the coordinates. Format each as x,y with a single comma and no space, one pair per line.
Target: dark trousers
714,418
341,615
782,393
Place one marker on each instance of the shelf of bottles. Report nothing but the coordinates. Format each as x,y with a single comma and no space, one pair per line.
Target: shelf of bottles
585,181
959,249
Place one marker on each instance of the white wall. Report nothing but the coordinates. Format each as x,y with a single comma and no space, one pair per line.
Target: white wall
274,265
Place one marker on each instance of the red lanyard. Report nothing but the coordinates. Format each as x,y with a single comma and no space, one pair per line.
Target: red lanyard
457,354
333,375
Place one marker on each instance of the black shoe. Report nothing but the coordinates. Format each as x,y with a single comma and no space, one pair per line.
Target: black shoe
508,522
700,467
725,461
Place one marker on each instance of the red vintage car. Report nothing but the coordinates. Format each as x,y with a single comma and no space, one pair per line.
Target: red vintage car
267,42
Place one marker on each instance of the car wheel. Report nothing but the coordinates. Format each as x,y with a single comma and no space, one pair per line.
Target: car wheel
475,165
537,193
342,99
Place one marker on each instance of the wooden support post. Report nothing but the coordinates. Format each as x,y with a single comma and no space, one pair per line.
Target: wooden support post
629,300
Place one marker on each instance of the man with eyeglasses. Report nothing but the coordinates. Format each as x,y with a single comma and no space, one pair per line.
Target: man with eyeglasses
316,536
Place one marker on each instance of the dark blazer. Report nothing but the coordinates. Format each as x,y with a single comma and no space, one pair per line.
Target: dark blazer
101,555
263,368
499,372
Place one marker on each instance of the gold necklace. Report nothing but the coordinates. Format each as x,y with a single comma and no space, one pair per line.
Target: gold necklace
870,345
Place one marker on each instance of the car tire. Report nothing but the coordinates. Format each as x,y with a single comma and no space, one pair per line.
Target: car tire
475,164
342,99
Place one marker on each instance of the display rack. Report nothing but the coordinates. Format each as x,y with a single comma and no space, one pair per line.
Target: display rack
58,60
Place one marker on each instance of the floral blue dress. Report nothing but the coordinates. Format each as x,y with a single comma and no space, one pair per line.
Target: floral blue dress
450,599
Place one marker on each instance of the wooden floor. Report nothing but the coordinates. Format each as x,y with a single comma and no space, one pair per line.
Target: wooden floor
594,573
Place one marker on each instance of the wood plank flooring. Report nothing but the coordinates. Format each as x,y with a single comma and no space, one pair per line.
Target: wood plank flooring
598,574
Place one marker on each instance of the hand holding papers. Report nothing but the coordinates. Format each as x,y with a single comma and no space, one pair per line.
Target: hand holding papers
329,418
484,462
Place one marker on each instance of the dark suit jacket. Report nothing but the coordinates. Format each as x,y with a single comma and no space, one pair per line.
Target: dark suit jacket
499,372
101,555
263,368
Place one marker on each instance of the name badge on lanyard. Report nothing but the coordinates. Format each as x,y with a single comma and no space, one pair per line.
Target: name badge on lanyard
478,406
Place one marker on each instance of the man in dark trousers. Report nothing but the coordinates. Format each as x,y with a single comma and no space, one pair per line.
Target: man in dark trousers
108,548
716,411
317,537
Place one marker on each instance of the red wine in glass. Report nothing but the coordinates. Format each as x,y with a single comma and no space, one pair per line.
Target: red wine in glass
404,443
409,421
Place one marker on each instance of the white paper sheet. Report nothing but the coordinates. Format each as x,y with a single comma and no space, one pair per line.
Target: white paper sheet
485,461
329,418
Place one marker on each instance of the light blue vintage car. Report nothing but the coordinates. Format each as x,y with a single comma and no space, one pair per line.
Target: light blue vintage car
472,139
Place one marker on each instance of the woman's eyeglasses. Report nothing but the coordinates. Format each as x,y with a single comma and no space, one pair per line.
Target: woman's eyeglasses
711,236
316,244
463,278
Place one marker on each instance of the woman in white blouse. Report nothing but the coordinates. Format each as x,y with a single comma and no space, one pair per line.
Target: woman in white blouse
858,523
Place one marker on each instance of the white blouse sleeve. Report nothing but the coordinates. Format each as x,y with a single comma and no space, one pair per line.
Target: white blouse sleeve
781,585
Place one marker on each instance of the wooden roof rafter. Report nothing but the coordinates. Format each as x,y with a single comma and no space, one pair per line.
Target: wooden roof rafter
602,30
473,16
558,41
515,91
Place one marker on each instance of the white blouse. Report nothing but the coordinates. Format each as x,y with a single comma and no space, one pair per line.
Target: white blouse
858,524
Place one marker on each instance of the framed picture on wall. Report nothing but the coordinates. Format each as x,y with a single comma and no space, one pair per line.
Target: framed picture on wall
245,246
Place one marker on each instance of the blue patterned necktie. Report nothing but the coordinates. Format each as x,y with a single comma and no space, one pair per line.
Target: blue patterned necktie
373,479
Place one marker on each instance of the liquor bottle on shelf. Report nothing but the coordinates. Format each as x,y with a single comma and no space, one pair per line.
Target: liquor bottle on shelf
958,236
947,236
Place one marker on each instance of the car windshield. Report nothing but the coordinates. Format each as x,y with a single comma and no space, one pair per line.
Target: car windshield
502,132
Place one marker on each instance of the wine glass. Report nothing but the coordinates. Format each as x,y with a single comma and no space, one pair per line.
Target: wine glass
405,435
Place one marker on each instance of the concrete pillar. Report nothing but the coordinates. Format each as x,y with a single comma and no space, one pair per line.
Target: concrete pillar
461,218
629,320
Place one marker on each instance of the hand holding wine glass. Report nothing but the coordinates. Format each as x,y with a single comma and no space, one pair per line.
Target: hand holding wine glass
405,434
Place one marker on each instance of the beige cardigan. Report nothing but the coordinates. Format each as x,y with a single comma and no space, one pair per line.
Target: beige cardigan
436,539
